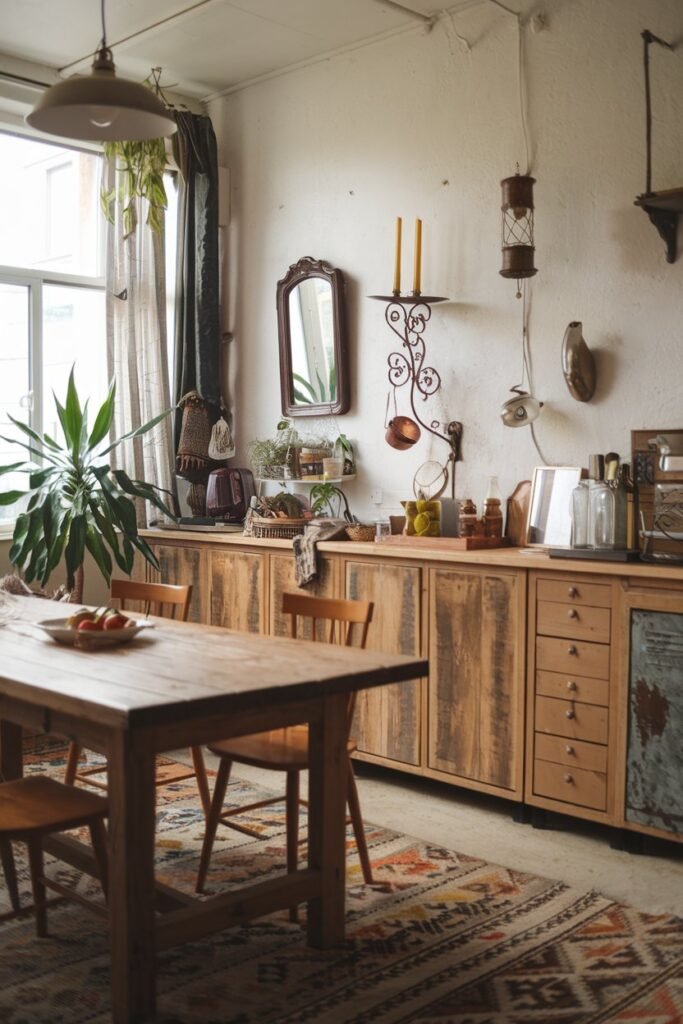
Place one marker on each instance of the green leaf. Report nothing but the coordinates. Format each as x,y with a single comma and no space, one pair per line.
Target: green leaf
306,384
74,414
38,453
38,478
144,549
109,533
12,468
139,489
301,399
10,497
94,544
36,562
138,432
104,418
61,412
321,387
75,549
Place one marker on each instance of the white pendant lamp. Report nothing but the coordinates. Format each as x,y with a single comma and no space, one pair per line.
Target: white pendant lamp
100,107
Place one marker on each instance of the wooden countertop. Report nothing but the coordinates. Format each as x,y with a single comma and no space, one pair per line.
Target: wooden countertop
510,558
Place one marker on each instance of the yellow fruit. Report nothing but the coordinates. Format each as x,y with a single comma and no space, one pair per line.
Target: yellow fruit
82,616
422,522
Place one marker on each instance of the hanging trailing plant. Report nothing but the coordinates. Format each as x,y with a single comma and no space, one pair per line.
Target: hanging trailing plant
140,167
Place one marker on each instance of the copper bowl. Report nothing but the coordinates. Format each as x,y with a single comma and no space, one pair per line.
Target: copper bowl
402,432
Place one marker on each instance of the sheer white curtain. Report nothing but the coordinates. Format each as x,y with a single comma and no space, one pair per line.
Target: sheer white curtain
137,353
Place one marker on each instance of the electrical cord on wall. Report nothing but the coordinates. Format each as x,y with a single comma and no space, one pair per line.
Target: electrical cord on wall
526,360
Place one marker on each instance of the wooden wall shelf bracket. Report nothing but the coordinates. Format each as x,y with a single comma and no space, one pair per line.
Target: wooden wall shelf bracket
664,209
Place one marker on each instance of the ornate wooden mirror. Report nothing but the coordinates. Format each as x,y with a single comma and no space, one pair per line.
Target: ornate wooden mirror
314,358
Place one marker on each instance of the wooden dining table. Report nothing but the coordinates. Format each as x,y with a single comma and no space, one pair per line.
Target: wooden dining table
173,686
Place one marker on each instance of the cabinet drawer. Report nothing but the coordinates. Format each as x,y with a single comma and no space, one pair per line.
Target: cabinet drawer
586,622
578,657
568,687
571,785
573,719
575,753
573,592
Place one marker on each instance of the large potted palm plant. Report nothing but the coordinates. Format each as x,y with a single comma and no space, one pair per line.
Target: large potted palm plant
76,501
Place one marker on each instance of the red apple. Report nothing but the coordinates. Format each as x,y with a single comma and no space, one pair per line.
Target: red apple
115,622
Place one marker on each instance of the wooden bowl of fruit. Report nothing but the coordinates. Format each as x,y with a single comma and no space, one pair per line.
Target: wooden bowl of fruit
88,629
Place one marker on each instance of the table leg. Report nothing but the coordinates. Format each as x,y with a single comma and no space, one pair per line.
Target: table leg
11,751
11,767
131,881
328,766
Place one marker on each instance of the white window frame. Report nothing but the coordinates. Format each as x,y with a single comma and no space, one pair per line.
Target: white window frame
35,280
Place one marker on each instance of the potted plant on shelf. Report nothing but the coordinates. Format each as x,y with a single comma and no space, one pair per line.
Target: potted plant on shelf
77,502
328,500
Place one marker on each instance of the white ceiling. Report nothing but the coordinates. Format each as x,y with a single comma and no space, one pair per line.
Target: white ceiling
203,46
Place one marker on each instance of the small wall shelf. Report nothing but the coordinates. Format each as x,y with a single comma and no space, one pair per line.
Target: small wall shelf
664,209
305,480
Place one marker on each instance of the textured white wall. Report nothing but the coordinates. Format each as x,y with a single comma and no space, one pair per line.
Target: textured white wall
323,159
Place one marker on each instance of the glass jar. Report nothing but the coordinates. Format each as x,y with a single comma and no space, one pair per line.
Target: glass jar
580,496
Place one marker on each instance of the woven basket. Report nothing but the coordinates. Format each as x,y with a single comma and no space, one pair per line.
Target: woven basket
358,531
285,529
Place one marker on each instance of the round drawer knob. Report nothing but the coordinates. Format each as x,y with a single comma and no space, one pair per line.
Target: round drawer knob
569,749
568,778
570,713
572,613
573,592
572,650
571,685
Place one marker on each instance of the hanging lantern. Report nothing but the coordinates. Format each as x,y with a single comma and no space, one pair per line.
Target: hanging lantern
518,226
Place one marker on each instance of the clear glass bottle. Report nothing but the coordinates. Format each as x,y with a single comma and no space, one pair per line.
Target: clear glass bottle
580,507
602,507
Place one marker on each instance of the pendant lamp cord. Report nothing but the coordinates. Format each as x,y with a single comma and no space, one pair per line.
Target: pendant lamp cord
104,27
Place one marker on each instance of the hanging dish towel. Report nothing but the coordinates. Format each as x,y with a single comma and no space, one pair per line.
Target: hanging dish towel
306,567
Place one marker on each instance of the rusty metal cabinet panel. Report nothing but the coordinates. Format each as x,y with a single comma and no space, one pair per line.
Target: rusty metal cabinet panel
654,770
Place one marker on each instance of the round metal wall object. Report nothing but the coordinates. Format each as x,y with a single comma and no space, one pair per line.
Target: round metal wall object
520,410
578,364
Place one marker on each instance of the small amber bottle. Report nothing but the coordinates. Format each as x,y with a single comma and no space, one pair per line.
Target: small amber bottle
493,518
468,518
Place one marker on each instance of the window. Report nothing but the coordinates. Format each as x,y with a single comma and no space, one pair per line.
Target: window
52,297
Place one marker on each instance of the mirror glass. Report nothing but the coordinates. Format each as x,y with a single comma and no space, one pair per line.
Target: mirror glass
550,516
313,346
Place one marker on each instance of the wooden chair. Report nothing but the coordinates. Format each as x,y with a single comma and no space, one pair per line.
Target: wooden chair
37,806
286,750
163,599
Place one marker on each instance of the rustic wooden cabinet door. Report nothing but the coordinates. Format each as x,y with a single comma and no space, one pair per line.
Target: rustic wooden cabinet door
387,720
184,564
654,757
476,686
282,580
237,584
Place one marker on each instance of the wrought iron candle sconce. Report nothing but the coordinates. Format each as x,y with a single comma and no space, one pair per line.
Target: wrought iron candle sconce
408,316
518,227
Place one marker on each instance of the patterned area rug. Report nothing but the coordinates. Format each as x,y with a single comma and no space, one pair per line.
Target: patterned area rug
441,938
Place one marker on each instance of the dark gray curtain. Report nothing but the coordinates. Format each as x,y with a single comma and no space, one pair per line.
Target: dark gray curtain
197,333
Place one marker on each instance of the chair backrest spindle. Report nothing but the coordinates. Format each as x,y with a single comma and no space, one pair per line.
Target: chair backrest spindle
162,599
